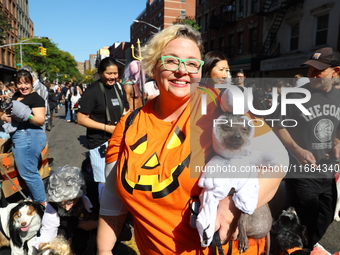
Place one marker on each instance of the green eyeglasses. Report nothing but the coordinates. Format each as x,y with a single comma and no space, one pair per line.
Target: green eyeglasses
171,63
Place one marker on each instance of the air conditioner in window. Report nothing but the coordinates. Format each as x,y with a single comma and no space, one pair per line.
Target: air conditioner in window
228,8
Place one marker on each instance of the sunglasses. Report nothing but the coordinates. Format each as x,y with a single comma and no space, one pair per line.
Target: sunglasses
69,202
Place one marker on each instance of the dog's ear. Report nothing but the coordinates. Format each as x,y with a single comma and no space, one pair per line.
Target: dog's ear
40,209
14,232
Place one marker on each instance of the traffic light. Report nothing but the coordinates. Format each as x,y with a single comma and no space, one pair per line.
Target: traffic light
40,50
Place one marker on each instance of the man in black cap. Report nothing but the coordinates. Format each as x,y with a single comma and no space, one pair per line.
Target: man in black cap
314,146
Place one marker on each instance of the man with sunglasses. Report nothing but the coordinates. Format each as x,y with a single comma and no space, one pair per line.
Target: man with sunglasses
314,145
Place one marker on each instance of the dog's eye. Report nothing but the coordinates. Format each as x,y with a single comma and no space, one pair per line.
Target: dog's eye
226,127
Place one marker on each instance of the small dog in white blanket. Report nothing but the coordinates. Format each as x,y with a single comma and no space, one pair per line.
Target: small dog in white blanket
230,170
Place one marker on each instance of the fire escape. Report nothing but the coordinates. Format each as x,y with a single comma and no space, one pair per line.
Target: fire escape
225,18
222,18
278,9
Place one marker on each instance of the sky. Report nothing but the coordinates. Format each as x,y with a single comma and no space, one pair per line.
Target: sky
82,27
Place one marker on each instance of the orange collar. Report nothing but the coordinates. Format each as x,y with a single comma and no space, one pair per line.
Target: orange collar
291,250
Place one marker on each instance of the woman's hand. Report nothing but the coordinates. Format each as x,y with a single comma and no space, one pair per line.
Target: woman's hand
6,118
227,219
86,121
110,128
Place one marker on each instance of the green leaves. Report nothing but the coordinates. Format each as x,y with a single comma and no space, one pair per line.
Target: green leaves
51,65
189,21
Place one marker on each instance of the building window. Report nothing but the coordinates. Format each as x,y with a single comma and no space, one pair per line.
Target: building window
205,23
240,43
253,40
231,45
212,45
183,13
254,8
221,44
206,45
183,1
294,36
321,30
241,9
199,22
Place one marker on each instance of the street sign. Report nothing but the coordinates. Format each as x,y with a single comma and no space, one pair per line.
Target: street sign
18,64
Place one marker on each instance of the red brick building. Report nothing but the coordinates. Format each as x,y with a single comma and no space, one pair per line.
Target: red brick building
22,26
160,14
247,32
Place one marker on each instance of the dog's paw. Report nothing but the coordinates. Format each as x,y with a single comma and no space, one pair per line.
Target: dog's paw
242,247
336,216
337,211
242,244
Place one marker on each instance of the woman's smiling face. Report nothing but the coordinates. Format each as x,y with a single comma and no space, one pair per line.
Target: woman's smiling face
220,72
24,86
110,75
177,83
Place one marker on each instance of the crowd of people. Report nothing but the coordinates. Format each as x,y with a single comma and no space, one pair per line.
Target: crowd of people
146,138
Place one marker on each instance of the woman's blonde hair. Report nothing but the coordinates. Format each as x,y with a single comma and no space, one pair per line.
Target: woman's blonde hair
153,49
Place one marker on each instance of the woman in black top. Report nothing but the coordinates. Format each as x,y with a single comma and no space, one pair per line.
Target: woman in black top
29,139
100,109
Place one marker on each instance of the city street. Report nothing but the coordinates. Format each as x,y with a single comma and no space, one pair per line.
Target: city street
67,145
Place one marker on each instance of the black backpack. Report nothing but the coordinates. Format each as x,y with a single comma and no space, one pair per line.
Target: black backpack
52,99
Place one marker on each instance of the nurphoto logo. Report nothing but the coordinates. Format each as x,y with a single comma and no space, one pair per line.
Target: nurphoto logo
242,99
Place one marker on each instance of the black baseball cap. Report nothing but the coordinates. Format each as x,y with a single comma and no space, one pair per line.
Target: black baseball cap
324,58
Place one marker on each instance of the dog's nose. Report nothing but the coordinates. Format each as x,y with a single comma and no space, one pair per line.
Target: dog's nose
23,224
291,209
237,137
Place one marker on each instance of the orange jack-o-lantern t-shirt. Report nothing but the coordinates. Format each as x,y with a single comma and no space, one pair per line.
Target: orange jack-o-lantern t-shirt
154,181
